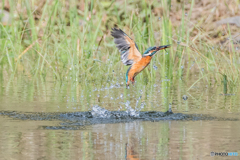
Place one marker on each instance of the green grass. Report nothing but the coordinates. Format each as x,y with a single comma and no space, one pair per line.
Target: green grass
72,41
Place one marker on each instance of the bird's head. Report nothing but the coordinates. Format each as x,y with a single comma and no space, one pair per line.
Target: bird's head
152,50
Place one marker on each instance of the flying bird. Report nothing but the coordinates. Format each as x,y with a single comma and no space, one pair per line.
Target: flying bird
130,54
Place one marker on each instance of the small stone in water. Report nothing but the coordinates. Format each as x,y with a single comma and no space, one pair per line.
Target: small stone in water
185,97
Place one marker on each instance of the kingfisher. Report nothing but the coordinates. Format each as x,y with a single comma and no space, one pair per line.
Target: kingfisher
130,54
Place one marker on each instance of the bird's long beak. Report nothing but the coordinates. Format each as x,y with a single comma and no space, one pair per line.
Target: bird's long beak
163,47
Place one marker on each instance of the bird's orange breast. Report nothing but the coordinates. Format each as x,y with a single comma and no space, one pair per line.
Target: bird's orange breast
139,66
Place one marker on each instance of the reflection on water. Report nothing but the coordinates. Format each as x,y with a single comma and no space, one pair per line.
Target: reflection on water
41,119
143,140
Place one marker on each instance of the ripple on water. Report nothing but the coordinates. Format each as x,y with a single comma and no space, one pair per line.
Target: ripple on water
98,115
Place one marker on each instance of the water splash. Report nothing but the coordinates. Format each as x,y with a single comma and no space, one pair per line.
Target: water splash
98,115
130,110
98,112
138,101
112,86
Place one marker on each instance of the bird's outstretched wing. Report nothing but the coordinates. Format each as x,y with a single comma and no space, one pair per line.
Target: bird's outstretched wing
128,48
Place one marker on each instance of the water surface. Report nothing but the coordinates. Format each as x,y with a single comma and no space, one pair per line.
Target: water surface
49,119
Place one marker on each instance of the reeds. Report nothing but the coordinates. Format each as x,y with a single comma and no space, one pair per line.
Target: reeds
73,41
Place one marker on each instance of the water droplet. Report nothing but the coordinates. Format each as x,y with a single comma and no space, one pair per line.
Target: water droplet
159,18
142,105
186,14
185,97
121,96
178,42
155,67
236,48
182,67
203,69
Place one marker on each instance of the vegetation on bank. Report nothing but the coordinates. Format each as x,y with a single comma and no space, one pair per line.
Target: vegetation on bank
72,40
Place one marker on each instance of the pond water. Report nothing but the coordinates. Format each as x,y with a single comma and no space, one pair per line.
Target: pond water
50,119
